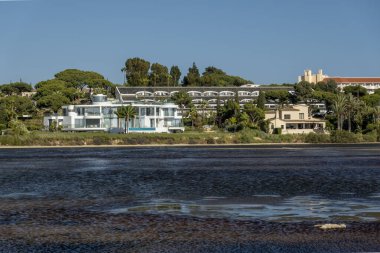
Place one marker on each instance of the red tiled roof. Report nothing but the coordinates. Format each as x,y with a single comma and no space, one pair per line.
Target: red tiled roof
354,79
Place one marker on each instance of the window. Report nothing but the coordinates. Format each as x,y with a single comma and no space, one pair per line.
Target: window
107,111
92,123
149,111
79,123
286,116
168,112
302,115
91,111
80,111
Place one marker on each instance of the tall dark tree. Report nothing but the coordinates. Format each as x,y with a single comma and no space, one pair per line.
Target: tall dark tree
329,86
53,102
213,70
256,116
8,89
137,72
54,86
280,96
15,88
101,84
175,74
13,106
261,100
303,90
213,76
159,75
230,109
77,78
357,91
193,77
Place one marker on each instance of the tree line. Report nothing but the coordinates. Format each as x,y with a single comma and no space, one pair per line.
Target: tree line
71,86
352,109
139,72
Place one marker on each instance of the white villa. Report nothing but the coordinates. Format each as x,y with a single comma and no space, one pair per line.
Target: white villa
100,116
294,120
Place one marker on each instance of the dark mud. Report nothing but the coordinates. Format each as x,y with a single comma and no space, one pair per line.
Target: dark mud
202,199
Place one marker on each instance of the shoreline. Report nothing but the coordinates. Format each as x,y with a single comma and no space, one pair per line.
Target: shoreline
190,145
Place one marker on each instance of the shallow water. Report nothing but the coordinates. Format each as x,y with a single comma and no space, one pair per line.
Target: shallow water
282,185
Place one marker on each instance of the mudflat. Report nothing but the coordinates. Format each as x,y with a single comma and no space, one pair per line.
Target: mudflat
190,199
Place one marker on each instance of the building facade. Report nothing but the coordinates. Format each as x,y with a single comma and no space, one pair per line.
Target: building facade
100,116
370,83
312,78
296,119
199,95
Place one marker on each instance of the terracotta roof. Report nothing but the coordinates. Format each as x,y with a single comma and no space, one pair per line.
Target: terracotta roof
354,79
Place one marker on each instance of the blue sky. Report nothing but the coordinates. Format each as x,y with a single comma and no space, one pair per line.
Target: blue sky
267,41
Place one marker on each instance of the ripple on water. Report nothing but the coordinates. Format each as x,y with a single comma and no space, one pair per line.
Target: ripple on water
297,208
19,195
375,195
93,164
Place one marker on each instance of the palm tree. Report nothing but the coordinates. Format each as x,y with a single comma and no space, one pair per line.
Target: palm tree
351,106
375,113
124,69
130,112
182,99
203,106
339,108
120,113
125,112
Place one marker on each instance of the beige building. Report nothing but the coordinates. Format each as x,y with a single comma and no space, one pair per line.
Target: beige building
370,83
312,78
294,120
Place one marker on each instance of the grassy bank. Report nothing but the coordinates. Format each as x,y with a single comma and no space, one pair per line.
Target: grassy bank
190,137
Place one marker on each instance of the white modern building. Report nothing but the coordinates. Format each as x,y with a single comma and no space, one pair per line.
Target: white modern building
200,96
100,116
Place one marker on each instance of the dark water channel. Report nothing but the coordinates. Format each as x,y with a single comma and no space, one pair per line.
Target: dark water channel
190,199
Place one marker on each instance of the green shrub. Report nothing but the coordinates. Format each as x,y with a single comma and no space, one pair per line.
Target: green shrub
340,136
370,137
210,140
288,138
277,131
101,140
53,126
317,138
18,128
194,140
